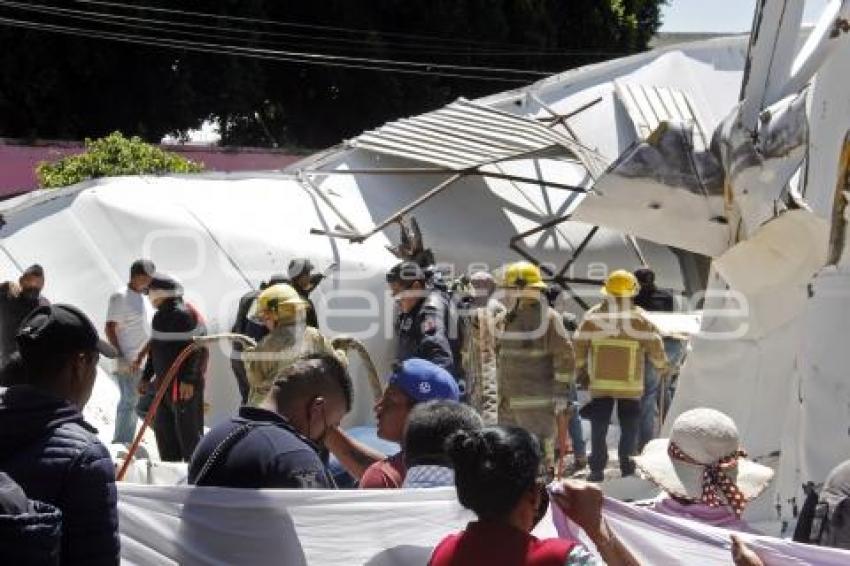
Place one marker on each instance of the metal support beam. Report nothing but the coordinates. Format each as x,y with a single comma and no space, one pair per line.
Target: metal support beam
578,250
559,276
519,179
321,194
383,171
359,238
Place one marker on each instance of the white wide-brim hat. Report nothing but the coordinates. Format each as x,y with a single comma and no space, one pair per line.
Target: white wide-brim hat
705,436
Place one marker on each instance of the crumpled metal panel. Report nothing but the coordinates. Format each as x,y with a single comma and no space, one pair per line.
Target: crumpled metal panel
662,191
464,135
648,106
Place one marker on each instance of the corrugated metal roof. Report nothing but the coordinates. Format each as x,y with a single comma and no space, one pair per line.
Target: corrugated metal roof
464,135
648,106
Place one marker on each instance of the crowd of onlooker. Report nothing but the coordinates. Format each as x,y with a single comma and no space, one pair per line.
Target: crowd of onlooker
58,501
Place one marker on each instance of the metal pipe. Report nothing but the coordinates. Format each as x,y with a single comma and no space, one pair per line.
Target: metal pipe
529,180
383,171
578,250
310,184
401,212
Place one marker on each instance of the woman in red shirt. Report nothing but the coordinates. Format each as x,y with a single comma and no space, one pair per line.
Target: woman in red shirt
498,476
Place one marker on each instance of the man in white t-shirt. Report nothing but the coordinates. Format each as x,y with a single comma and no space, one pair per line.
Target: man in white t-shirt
128,329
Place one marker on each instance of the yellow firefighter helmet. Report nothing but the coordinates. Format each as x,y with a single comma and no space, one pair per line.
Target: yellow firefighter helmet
523,274
280,302
621,283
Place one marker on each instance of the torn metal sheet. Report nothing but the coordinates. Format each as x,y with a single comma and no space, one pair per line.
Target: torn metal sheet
660,190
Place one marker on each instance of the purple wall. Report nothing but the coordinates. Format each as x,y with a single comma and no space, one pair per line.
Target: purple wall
18,161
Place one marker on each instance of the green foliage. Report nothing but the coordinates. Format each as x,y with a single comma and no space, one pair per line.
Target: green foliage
111,156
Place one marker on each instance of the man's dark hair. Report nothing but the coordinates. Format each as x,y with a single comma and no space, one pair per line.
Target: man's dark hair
299,266
406,272
313,376
494,467
645,277
430,424
35,270
142,267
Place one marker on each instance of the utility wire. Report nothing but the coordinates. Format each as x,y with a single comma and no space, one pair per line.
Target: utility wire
311,59
242,33
364,60
432,38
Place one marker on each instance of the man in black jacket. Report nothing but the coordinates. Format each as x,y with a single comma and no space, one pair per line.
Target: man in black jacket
17,300
304,281
179,419
278,444
30,531
421,325
45,444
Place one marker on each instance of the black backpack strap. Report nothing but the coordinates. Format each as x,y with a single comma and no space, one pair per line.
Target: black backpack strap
225,446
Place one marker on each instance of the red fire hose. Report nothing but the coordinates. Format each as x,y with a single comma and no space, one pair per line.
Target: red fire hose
160,393
198,342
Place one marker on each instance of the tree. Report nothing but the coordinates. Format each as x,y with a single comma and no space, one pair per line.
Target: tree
111,156
54,85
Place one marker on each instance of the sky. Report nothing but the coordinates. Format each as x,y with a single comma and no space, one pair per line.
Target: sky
720,15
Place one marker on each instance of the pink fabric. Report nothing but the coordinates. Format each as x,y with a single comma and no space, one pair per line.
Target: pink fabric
721,516
657,538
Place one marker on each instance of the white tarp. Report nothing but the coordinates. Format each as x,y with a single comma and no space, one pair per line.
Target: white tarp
659,539
215,526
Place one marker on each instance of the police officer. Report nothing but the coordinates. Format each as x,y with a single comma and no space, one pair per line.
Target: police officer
304,281
422,322
535,359
611,343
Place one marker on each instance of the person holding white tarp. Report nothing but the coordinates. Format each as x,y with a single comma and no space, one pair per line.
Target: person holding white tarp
500,475
703,472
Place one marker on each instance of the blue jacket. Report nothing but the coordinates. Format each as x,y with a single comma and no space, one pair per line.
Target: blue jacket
423,332
56,457
30,531
272,454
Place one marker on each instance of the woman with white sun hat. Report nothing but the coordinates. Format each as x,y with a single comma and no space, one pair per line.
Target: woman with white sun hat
703,471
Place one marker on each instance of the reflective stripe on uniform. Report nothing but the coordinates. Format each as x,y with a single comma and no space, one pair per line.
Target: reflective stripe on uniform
622,382
564,377
530,402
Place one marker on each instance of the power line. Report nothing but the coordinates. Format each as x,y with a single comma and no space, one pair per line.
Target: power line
314,59
240,33
433,38
365,60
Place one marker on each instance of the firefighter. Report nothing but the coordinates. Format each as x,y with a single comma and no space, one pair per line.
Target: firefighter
612,342
283,312
479,346
534,360
423,313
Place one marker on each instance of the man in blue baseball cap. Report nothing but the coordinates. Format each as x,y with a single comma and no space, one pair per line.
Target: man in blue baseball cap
412,381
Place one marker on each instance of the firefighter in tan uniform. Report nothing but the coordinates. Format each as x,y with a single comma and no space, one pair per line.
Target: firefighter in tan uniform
478,356
611,344
534,360
284,313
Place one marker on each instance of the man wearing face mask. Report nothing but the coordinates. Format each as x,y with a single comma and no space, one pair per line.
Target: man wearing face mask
278,444
17,300
47,447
